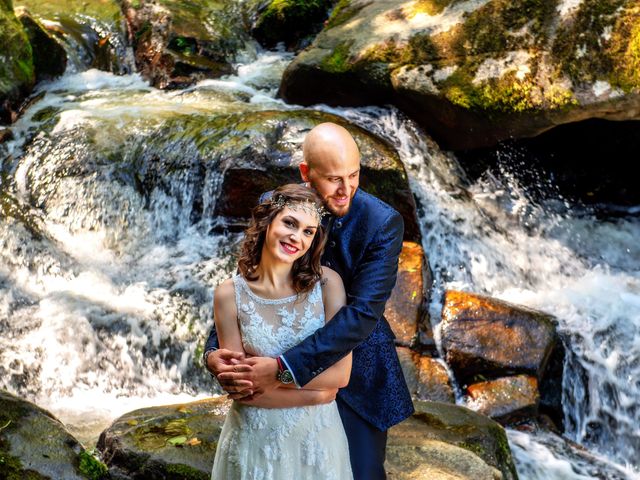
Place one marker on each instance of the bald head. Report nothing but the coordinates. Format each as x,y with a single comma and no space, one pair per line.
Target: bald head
331,164
329,141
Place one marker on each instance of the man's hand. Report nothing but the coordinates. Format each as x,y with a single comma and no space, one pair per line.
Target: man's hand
223,361
259,372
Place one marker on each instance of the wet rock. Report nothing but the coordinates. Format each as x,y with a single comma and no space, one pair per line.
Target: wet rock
177,44
17,75
49,57
406,310
261,150
92,31
475,73
422,444
35,445
426,377
507,399
492,338
290,21
176,442
5,135
550,387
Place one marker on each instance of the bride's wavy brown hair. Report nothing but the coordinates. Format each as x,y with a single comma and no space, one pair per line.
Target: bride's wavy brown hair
306,270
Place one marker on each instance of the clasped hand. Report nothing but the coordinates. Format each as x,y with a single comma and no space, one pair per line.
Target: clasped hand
243,376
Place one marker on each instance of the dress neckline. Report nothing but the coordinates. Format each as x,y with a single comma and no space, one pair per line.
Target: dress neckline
259,299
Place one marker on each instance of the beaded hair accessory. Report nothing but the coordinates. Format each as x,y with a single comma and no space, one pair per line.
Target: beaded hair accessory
305,205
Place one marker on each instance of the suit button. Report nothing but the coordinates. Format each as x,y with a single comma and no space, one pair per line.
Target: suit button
332,243
338,224
328,264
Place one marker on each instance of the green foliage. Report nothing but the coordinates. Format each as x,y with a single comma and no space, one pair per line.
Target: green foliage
184,472
342,13
91,466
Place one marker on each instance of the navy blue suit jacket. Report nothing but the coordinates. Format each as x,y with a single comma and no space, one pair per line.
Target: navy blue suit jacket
363,247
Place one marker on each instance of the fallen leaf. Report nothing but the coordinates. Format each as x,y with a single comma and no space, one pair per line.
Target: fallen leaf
133,423
192,442
179,440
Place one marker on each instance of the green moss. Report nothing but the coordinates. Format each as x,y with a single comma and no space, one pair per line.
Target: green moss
430,7
338,60
624,49
578,47
342,13
290,20
154,437
16,70
91,466
184,472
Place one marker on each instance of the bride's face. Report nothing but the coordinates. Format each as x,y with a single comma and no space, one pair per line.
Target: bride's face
290,234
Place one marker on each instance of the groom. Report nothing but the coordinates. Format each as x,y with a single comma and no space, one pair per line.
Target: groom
363,246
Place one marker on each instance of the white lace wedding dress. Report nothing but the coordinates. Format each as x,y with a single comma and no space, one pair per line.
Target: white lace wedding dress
301,443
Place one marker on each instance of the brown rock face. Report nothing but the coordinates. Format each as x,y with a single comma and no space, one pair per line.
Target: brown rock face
179,43
507,399
489,337
406,310
426,377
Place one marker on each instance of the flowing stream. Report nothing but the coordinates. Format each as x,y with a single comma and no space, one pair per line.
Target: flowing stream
106,273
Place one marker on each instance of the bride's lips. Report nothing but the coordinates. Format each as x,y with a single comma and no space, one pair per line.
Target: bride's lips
290,249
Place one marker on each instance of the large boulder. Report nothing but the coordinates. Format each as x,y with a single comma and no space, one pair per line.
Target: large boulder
178,442
260,150
49,57
487,338
179,43
17,75
477,72
174,442
421,445
34,445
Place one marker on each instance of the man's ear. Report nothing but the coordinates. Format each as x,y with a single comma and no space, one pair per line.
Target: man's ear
304,171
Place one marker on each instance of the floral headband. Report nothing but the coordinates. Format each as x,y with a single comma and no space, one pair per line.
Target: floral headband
280,201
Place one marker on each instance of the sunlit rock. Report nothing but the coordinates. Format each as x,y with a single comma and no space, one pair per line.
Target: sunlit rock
175,442
506,399
426,377
17,75
35,445
49,57
422,444
406,310
491,338
475,72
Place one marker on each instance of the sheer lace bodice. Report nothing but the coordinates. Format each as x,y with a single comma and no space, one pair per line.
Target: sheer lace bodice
280,443
271,327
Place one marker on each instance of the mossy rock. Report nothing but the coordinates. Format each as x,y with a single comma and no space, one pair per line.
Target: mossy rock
290,21
17,75
34,445
178,42
176,442
475,73
49,57
93,32
451,425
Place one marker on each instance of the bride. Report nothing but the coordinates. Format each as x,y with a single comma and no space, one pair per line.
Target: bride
281,296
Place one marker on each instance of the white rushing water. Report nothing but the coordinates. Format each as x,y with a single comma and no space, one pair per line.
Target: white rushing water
105,295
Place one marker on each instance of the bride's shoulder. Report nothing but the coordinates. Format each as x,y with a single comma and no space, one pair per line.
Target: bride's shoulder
330,279
225,292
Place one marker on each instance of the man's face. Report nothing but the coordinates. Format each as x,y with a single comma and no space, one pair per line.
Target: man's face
336,181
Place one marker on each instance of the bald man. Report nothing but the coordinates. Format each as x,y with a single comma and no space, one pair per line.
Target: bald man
363,246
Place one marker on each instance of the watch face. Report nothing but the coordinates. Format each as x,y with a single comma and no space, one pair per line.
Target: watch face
286,377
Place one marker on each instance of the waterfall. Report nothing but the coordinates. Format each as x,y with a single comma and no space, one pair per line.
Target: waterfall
109,254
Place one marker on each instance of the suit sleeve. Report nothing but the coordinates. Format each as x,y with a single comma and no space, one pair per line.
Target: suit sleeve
370,288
